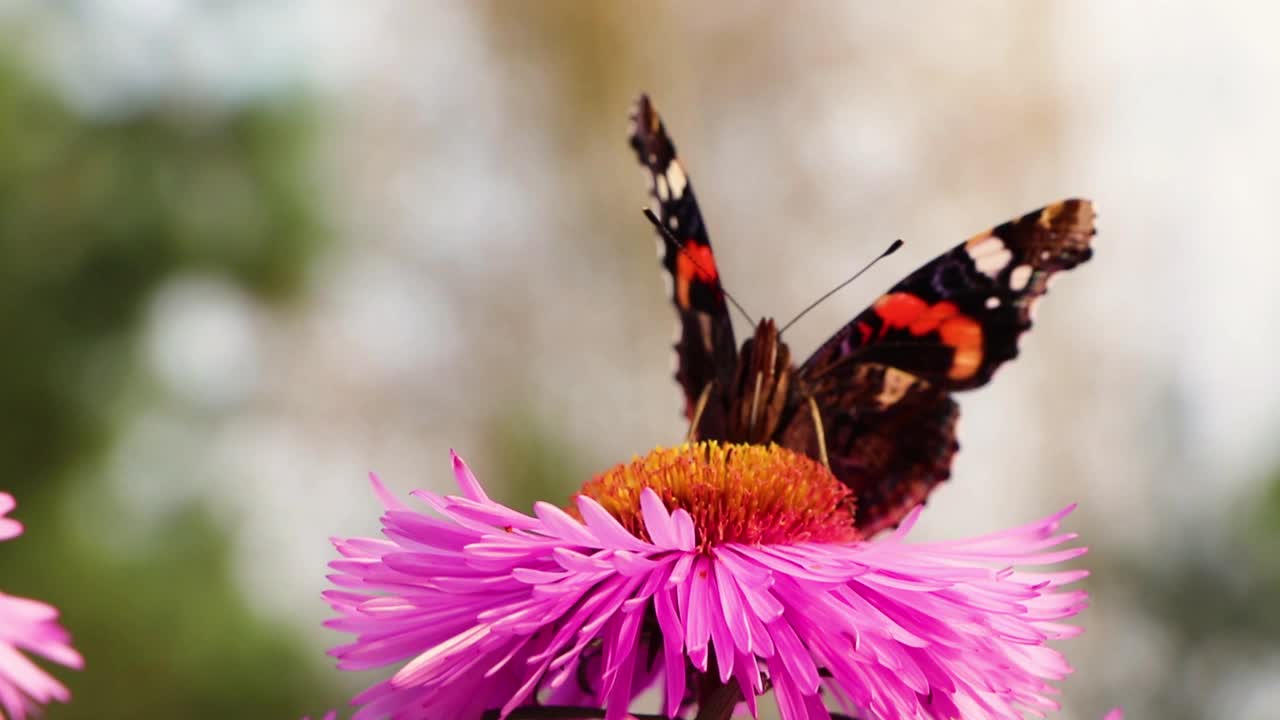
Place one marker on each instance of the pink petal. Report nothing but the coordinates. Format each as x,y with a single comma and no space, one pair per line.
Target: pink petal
467,483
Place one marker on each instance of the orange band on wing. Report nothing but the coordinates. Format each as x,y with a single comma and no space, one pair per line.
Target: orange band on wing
898,310
694,261
904,311
964,334
930,319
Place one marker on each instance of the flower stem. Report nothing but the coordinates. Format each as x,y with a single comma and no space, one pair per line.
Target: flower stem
719,703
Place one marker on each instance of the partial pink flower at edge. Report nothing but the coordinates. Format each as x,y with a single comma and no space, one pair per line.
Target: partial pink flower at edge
487,607
30,626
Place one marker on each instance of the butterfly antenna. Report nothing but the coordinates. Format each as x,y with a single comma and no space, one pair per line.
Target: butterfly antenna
893,247
664,232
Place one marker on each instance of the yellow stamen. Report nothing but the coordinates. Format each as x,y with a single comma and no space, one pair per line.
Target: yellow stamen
753,494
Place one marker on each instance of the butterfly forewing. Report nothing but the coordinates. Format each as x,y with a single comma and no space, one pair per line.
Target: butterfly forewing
706,354
955,320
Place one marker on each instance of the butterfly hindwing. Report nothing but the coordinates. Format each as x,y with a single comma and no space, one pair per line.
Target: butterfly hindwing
958,318
706,354
889,436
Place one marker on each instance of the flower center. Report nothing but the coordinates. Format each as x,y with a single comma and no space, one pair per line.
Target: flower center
753,494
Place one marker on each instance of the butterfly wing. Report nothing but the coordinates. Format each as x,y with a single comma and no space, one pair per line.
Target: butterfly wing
958,318
882,384
888,435
706,353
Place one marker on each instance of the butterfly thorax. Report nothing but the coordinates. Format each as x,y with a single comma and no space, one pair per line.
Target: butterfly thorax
757,400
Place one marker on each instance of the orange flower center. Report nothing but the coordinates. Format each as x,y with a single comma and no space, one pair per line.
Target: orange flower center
753,494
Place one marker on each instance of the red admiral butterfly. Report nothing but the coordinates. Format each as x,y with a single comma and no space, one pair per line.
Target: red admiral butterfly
873,402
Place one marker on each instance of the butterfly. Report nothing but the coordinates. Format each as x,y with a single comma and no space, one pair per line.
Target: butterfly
874,402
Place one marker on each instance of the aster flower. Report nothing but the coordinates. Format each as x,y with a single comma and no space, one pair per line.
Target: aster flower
32,626
722,571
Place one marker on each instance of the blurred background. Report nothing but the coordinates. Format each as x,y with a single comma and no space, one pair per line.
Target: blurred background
250,251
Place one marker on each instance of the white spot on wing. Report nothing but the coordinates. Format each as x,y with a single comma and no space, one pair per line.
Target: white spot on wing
987,245
1031,308
675,176
660,186
993,302
990,256
667,282
896,384
1019,277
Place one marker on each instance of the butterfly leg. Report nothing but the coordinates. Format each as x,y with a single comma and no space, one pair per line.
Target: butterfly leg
697,413
817,426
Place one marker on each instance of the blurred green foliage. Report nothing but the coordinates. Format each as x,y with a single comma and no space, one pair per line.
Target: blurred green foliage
536,458
96,213
1216,618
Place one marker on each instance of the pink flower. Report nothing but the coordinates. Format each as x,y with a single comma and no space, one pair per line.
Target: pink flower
32,626
723,571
